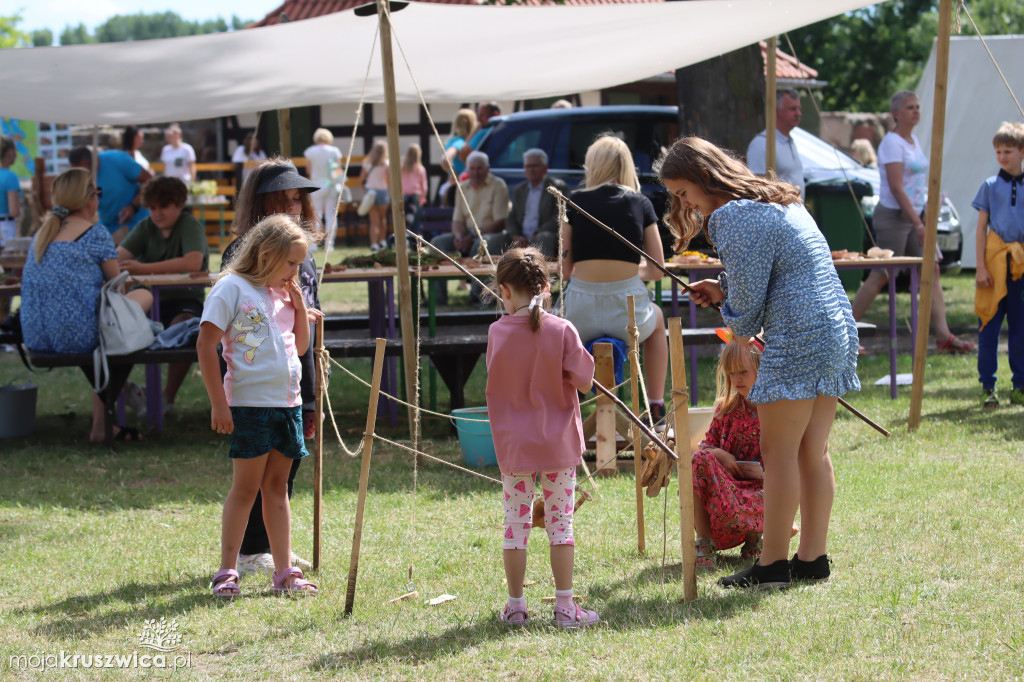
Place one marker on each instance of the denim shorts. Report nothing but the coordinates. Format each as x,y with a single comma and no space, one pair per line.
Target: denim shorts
381,197
258,430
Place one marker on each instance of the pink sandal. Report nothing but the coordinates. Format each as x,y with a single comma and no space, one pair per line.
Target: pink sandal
512,616
226,579
298,586
577,617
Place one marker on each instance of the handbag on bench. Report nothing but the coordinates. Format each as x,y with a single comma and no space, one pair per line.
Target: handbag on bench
123,328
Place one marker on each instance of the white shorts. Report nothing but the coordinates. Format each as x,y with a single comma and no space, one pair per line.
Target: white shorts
599,309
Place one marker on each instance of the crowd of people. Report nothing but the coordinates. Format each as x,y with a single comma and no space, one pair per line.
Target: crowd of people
766,452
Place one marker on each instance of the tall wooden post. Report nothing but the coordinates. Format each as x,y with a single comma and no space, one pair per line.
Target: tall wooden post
684,468
364,476
931,216
398,216
769,104
284,131
634,432
604,372
318,444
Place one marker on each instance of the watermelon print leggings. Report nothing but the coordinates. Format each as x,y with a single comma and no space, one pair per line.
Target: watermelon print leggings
559,497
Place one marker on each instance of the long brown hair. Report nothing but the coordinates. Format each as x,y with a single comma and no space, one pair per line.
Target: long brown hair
524,269
719,174
735,357
252,208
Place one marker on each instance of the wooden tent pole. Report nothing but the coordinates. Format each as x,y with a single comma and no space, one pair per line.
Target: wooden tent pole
604,374
318,443
364,476
398,216
284,131
769,104
634,432
684,467
928,269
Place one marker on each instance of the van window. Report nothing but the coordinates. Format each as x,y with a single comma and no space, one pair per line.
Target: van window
585,132
512,147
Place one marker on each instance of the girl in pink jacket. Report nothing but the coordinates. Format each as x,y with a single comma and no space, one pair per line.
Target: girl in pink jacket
535,365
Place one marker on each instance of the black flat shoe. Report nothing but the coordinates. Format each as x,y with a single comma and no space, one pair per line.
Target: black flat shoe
774,576
816,571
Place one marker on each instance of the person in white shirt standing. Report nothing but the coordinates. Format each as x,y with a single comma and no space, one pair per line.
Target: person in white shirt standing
788,166
179,158
323,164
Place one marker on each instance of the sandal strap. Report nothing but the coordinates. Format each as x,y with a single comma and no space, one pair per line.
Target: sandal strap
279,578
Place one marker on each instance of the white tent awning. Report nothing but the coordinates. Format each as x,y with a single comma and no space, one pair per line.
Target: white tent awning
458,53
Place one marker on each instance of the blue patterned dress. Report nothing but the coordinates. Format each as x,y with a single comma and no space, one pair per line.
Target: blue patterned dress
780,277
59,294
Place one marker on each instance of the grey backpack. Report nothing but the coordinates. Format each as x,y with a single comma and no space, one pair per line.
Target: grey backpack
123,325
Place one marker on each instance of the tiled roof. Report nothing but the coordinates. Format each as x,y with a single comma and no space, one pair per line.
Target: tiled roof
296,10
787,66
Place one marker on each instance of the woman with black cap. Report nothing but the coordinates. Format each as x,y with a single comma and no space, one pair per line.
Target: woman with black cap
275,186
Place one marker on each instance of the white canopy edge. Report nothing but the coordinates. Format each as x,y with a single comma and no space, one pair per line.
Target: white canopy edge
458,53
977,103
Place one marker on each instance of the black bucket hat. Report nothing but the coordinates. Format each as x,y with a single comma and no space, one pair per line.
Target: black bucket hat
282,177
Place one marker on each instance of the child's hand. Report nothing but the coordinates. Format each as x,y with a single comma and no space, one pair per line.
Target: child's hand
220,420
292,285
981,277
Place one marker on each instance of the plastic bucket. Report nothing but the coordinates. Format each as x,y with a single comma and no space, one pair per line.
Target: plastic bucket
475,436
17,410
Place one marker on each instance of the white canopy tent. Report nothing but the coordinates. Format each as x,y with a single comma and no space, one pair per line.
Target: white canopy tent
509,53
977,103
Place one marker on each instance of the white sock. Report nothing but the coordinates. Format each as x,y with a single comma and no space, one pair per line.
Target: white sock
563,598
517,603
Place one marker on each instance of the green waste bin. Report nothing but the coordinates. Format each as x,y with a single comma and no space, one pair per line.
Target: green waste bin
838,215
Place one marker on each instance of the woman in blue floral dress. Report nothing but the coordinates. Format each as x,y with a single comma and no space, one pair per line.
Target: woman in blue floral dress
778,278
71,257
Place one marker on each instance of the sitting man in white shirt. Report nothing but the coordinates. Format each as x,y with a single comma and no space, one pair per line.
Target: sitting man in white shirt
534,215
788,166
487,196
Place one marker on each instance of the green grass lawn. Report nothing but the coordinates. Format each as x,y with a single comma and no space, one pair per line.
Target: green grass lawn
927,538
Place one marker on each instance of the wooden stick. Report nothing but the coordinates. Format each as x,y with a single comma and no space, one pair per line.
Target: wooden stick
634,433
456,263
604,373
684,468
678,280
646,430
928,269
769,104
364,475
318,443
411,361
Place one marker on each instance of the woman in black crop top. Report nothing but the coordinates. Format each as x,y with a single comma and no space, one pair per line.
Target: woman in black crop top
604,272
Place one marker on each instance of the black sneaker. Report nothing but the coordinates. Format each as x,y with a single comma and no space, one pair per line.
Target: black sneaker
816,571
658,416
774,576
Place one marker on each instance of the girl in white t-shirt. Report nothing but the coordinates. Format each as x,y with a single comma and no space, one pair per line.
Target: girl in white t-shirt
258,313
375,178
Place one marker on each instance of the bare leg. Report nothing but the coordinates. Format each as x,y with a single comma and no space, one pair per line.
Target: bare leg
515,571
783,424
143,297
701,519
939,323
656,359
869,289
244,483
562,559
817,480
277,510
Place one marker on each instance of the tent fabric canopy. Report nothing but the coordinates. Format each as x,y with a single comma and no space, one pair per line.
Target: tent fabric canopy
977,103
500,53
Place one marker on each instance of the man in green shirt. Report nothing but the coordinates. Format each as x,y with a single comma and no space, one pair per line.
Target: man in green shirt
168,241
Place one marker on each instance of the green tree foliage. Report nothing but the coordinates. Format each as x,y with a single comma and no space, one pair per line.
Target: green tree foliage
871,53
42,38
125,27
10,34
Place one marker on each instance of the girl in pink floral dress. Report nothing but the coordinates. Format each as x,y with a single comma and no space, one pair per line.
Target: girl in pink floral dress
727,491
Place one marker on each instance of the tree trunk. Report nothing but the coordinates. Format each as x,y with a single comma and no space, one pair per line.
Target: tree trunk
722,99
